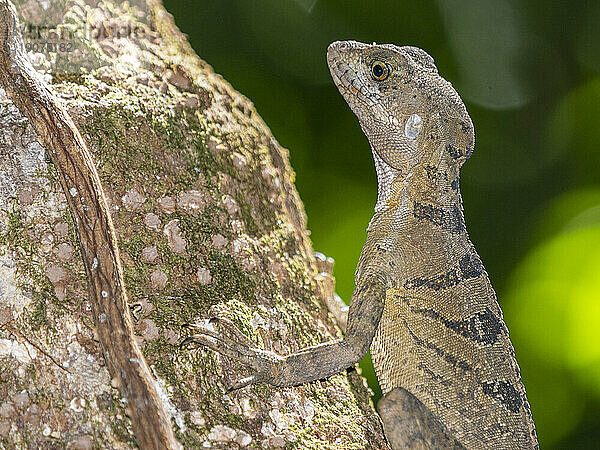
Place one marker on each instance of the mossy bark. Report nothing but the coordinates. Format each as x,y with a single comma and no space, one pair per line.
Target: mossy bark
207,217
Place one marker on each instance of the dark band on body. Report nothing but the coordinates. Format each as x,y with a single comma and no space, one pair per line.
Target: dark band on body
450,359
451,220
505,392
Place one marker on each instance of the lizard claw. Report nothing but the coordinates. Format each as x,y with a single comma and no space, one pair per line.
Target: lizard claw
230,336
232,343
242,383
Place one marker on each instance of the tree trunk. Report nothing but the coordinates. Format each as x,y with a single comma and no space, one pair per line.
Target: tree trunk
206,217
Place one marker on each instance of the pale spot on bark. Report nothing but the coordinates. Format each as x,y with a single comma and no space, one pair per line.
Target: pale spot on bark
276,402
77,404
267,173
174,237
47,238
197,418
215,146
64,252
6,314
149,329
81,443
171,336
192,101
276,441
308,410
247,409
28,195
221,433
203,275
132,200
7,410
167,205
23,353
32,415
60,291
152,222
147,306
150,254
243,439
158,279
231,205
21,400
275,268
61,229
238,245
270,175
55,274
236,226
144,78
234,409
5,428
219,240
267,429
239,160
177,78
190,201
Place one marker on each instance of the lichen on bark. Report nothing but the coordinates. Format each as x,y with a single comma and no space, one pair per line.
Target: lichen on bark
207,217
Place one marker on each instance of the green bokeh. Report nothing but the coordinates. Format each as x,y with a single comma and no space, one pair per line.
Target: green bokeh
552,305
529,73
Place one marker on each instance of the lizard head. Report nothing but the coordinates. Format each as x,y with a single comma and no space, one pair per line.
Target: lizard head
406,109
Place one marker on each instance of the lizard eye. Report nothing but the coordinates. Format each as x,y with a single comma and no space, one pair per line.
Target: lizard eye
413,126
379,70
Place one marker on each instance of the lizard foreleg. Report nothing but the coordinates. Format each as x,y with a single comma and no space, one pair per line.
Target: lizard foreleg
309,364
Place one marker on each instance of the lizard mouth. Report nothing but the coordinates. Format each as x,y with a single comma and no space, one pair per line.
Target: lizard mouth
344,75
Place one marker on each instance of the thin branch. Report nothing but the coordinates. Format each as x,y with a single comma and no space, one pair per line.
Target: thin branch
39,349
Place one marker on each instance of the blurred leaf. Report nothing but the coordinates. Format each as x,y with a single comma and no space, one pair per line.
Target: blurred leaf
574,209
588,40
489,42
273,27
552,306
502,156
307,5
574,130
559,298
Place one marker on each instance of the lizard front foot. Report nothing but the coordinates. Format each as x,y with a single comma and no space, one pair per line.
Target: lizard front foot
232,343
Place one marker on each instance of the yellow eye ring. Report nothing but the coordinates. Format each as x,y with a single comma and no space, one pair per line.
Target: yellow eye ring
380,70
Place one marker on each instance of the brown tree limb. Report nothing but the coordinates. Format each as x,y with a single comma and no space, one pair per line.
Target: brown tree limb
81,184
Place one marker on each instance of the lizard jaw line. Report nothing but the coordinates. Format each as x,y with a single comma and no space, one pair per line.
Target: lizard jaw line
346,78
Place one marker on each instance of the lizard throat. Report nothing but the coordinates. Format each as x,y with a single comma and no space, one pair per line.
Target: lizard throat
432,183
387,176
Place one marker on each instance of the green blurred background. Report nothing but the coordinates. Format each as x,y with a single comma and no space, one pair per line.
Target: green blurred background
529,73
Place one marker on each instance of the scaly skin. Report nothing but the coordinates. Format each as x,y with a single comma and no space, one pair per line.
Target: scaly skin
423,301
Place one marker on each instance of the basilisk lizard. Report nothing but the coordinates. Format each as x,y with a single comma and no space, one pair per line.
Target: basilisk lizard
423,302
